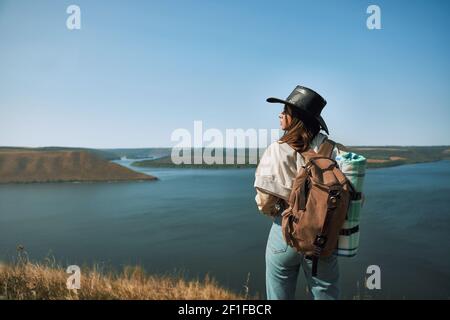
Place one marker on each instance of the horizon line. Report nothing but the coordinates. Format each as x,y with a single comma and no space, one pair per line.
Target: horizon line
110,148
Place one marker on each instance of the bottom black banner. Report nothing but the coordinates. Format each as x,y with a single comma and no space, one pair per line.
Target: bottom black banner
213,309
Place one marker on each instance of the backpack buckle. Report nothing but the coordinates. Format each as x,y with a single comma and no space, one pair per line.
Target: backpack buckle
320,241
333,196
332,200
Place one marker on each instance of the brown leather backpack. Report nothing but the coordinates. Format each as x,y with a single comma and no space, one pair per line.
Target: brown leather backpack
318,205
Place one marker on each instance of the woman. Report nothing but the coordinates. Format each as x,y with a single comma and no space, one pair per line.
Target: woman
274,175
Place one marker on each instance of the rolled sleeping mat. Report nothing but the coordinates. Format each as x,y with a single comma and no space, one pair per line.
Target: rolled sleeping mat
354,167
348,241
348,244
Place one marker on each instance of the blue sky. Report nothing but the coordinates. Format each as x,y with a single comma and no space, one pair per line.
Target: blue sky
138,70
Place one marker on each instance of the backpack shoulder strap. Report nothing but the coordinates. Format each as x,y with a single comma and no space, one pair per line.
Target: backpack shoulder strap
326,148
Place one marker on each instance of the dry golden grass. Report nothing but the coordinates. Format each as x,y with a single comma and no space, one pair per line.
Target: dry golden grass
36,281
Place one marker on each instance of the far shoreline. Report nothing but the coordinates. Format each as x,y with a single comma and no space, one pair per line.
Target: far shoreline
377,157
247,166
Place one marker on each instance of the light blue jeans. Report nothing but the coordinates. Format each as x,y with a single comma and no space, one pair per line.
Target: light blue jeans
283,265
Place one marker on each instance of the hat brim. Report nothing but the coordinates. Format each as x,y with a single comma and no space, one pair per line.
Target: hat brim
318,118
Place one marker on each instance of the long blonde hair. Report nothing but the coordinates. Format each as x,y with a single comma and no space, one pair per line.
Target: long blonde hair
302,130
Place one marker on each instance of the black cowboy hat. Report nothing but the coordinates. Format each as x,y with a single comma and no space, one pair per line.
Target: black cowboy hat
307,100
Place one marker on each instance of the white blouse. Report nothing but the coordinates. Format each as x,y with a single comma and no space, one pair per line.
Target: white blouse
277,169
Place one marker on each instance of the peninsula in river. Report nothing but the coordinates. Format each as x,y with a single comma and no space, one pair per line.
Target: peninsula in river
30,165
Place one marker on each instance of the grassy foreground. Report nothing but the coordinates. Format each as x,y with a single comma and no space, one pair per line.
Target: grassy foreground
37,281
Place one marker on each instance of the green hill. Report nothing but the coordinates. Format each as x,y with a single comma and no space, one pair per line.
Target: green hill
28,165
105,154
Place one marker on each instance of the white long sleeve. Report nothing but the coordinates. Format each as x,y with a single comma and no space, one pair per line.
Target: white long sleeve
279,166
